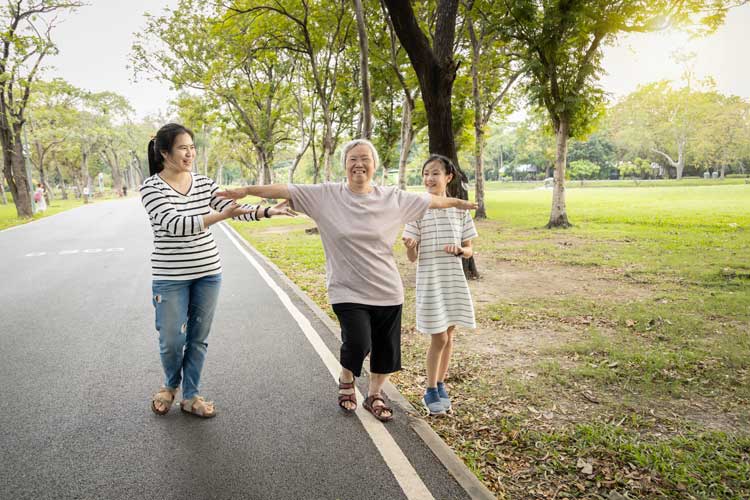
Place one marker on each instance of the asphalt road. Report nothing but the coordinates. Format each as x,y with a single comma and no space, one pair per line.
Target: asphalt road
80,362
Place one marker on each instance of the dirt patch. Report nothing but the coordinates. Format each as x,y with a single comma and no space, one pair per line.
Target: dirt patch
508,281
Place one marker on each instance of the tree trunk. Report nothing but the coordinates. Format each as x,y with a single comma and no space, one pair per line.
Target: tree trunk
298,158
14,166
436,71
85,180
64,192
2,189
407,136
481,212
327,151
116,173
559,216
680,166
364,71
220,174
500,166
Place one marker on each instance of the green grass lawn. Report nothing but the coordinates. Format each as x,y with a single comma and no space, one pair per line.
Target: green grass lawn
9,215
648,358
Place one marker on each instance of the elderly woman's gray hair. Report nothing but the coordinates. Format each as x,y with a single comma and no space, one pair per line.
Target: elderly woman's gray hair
359,142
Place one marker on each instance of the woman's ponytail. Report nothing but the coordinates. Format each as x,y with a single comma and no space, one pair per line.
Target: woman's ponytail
155,161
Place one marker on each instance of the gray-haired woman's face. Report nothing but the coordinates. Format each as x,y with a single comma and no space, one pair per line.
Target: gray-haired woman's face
360,164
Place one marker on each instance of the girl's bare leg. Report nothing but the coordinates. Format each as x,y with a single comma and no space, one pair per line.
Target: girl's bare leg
438,342
445,356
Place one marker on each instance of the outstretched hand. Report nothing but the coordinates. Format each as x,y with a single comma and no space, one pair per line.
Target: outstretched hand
282,209
234,210
234,194
467,205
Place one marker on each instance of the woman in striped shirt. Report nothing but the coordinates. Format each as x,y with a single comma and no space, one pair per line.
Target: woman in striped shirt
439,240
186,268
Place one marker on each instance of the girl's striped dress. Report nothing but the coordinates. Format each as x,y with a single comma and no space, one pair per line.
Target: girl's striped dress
443,297
183,248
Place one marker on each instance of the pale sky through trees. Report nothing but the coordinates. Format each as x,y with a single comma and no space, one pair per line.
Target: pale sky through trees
95,44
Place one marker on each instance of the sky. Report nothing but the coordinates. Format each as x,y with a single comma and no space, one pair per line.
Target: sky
96,40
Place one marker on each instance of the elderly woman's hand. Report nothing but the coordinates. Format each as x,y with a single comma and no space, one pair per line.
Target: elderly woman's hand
234,194
467,205
282,209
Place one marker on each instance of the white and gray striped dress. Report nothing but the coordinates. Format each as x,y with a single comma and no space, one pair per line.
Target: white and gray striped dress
183,248
443,297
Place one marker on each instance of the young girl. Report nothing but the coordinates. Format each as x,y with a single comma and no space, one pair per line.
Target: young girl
440,240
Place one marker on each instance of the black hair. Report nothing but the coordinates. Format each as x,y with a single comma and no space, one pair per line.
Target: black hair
448,166
163,142
454,186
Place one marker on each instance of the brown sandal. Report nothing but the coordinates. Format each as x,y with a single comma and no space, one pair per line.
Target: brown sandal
377,411
199,407
165,396
343,398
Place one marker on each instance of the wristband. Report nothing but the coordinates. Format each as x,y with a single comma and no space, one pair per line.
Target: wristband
265,213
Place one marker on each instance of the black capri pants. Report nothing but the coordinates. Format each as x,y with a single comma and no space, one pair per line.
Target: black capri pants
374,330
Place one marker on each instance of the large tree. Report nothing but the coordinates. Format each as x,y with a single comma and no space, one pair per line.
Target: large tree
562,41
436,68
25,29
434,65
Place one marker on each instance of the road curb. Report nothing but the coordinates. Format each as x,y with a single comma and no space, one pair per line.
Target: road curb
463,476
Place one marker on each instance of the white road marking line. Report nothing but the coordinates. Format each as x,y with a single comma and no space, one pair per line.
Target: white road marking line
71,252
407,477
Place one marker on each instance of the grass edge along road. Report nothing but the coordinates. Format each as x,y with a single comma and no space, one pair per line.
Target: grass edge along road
9,216
626,371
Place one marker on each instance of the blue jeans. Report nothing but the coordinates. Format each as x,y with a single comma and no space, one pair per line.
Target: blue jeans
184,312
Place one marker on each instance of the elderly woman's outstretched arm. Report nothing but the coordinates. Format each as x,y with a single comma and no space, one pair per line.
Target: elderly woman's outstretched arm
446,202
268,191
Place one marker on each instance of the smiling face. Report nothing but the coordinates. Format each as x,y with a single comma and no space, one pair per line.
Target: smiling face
180,158
434,177
360,165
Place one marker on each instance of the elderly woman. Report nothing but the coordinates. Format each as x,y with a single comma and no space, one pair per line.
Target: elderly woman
358,224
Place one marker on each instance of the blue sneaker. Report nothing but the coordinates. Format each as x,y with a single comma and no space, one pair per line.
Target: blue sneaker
444,398
431,401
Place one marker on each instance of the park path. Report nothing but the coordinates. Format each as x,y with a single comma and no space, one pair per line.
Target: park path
81,361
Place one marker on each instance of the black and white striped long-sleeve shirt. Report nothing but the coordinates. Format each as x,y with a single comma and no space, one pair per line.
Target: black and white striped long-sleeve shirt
183,247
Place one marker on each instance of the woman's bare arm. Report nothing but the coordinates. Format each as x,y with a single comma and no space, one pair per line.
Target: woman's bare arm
269,191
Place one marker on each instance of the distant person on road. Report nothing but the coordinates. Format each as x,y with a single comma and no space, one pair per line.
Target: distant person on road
439,241
185,264
41,203
359,223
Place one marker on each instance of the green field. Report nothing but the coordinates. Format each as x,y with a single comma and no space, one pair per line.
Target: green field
663,350
9,215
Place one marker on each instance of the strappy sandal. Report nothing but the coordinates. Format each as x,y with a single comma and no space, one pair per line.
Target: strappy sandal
377,411
199,407
165,396
343,398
